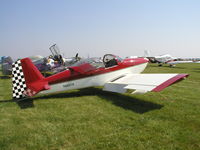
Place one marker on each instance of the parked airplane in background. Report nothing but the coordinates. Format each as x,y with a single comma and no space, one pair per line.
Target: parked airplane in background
172,61
53,63
164,59
6,65
111,72
168,59
1,59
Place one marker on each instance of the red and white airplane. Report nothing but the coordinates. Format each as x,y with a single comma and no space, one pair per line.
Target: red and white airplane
111,72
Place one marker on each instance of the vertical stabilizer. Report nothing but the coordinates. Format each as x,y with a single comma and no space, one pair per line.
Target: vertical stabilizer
27,79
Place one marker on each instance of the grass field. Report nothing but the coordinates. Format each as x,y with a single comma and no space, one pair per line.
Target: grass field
93,119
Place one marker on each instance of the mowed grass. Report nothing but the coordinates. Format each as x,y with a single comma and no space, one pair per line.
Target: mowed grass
93,119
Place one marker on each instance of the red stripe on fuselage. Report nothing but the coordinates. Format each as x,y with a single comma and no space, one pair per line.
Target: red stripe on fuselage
78,73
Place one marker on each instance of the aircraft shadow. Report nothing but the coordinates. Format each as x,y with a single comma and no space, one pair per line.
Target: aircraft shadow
23,104
4,77
197,70
123,101
176,67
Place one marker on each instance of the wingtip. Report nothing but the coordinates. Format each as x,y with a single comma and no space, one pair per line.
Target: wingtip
169,82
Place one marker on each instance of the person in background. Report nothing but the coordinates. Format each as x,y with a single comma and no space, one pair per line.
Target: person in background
50,62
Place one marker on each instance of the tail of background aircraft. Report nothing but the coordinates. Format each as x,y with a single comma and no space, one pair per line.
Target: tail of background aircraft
27,79
146,53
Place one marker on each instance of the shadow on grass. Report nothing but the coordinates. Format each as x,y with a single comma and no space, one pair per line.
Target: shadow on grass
196,70
23,104
5,77
167,66
124,101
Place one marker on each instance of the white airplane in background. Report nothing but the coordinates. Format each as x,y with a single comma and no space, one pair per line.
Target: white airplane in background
172,61
168,59
160,59
165,59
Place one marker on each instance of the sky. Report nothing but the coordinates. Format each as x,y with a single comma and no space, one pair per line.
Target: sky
96,27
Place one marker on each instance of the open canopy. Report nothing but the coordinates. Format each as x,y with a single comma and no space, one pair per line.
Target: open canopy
108,60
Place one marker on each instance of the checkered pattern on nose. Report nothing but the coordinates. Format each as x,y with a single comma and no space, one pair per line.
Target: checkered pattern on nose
18,80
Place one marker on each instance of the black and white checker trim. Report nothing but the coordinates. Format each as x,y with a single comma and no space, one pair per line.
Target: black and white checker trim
29,92
18,80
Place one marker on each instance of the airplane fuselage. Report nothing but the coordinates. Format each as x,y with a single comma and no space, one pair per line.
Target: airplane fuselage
68,80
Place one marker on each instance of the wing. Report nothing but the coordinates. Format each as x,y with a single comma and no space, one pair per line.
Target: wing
179,62
142,83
